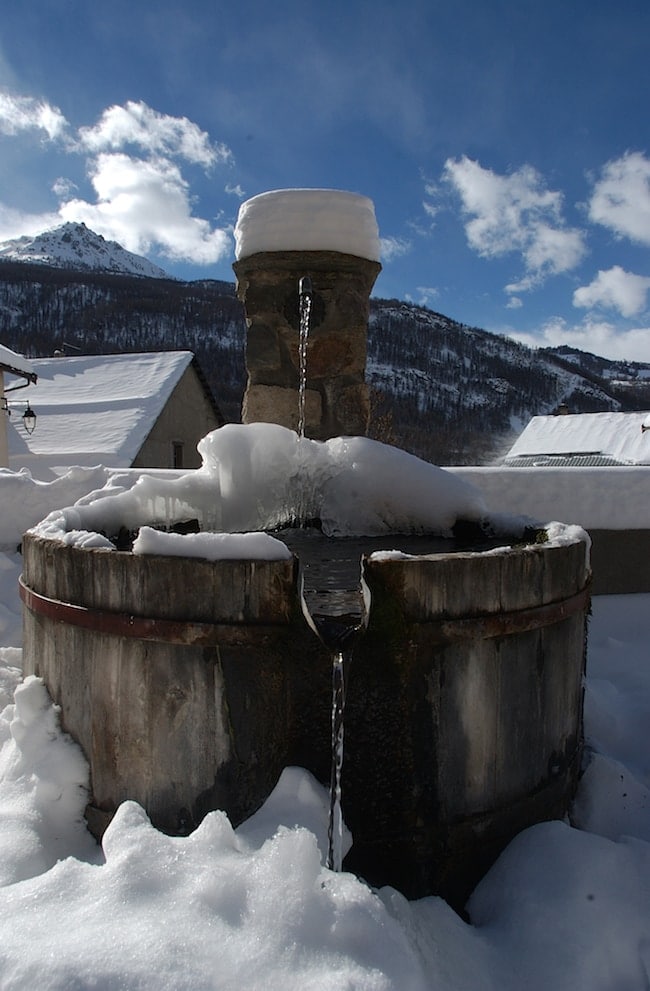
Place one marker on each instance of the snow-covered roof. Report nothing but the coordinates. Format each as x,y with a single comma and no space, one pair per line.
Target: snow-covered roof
619,438
91,409
15,363
308,220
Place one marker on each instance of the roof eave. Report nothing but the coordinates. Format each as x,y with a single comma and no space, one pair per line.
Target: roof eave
31,377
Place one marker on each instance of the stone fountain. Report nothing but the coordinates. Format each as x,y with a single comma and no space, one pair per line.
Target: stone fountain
191,674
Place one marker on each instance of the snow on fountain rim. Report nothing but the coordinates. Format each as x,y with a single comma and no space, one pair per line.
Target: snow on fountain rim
308,220
211,546
557,535
256,476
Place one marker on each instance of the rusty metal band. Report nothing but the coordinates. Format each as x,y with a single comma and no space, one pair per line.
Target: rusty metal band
122,624
432,631
493,626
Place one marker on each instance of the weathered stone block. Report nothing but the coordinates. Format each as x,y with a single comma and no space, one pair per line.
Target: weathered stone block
274,404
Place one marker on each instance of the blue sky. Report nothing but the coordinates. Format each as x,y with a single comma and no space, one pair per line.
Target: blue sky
506,145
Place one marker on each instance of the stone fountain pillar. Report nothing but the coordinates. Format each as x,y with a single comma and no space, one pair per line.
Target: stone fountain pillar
330,236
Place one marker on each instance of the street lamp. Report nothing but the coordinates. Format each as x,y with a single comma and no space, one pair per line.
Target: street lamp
29,419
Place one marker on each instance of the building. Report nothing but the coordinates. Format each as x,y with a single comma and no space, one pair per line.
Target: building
581,440
15,366
144,410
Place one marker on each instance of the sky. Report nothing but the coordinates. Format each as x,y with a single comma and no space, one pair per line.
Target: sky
506,146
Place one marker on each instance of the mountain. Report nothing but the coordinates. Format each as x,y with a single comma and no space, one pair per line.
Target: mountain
75,246
449,393
44,309
459,395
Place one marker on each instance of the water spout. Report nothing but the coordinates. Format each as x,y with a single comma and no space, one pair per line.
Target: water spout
304,305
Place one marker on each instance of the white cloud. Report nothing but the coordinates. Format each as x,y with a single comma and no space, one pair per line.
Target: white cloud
621,197
431,206
63,187
132,155
514,303
615,289
430,210
153,132
24,113
144,204
393,247
426,295
515,213
234,191
18,223
596,337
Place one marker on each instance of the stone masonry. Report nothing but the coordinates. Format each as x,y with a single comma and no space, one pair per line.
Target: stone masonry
336,401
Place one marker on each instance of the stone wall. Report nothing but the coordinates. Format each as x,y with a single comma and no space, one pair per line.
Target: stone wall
336,401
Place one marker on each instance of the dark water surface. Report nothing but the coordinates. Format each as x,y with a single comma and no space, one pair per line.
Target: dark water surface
331,566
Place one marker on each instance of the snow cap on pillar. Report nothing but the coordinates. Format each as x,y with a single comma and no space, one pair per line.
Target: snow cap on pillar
308,220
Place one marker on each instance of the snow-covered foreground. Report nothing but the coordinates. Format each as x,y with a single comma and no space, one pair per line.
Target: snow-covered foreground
565,907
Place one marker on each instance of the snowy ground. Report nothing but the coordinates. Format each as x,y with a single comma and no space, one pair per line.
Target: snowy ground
563,908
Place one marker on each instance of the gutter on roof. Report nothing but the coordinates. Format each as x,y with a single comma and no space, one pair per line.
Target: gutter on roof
31,378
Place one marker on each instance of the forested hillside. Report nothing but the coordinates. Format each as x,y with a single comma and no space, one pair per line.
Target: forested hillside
447,392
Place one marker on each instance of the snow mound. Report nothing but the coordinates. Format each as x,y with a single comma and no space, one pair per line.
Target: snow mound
259,477
43,787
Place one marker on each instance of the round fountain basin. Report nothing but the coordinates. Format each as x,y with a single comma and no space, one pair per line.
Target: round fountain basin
190,684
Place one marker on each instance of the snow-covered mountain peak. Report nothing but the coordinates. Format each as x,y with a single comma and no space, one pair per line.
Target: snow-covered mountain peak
75,246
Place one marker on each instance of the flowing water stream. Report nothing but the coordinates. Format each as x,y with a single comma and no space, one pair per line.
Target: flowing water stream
335,828
304,302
